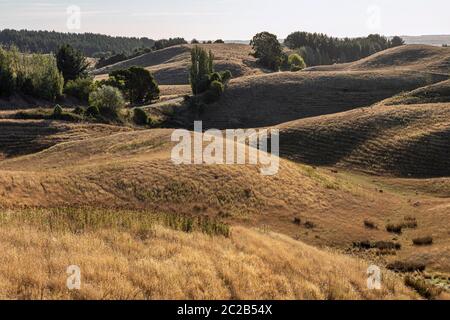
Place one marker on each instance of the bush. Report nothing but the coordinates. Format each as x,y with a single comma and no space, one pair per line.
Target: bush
400,266
370,225
57,111
78,110
80,88
425,241
394,228
7,82
140,117
108,100
226,76
296,62
215,92
92,111
137,84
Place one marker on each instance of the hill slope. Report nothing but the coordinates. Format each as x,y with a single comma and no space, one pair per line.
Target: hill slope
400,140
170,66
272,99
410,57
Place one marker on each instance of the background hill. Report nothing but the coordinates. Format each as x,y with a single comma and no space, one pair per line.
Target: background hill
170,66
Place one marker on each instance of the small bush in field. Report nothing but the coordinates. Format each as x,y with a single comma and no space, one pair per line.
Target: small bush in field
425,241
215,92
140,117
405,267
370,224
92,111
108,100
57,111
394,228
80,88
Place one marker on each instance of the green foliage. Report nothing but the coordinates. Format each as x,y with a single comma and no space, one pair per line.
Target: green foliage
267,49
136,83
92,111
71,63
194,41
57,111
219,41
31,74
214,92
80,88
320,49
88,43
165,43
108,100
201,69
140,117
397,41
226,76
296,62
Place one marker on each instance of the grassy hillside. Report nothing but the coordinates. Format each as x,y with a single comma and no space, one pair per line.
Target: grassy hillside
435,93
272,99
170,65
399,140
411,57
150,261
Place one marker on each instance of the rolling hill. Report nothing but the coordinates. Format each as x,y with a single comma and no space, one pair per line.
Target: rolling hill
170,66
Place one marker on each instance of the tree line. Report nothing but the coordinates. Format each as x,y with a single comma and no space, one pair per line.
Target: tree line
90,44
320,49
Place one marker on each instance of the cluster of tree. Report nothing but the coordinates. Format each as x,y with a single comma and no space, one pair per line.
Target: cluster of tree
136,84
36,75
206,84
88,43
195,41
165,43
320,49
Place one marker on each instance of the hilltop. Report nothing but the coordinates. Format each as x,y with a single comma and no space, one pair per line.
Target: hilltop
170,65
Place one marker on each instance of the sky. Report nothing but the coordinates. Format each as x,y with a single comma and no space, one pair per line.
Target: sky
228,19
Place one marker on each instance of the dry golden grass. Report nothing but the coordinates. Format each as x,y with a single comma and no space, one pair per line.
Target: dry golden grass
120,263
170,65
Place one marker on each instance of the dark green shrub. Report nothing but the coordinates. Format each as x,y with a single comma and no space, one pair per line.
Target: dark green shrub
71,63
425,241
401,266
215,76
78,110
140,117
7,82
394,228
108,100
92,111
226,76
80,88
57,111
268,50
215,92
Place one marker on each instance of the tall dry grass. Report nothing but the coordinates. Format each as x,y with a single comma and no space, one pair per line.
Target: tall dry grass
120,260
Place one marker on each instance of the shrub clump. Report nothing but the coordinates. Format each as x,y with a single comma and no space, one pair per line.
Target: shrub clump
108,100
405,267
370,224
140,117
80,88
296,62
424,241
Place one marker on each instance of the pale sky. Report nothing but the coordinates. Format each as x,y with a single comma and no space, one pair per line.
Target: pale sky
230,19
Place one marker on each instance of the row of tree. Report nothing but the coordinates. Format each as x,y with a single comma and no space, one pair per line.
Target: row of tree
90,44
319,49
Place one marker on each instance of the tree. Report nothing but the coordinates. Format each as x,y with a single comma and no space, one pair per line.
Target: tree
201,69
108,100
267,49
296,62
219,41
136,83
397,41
194,41
71,63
